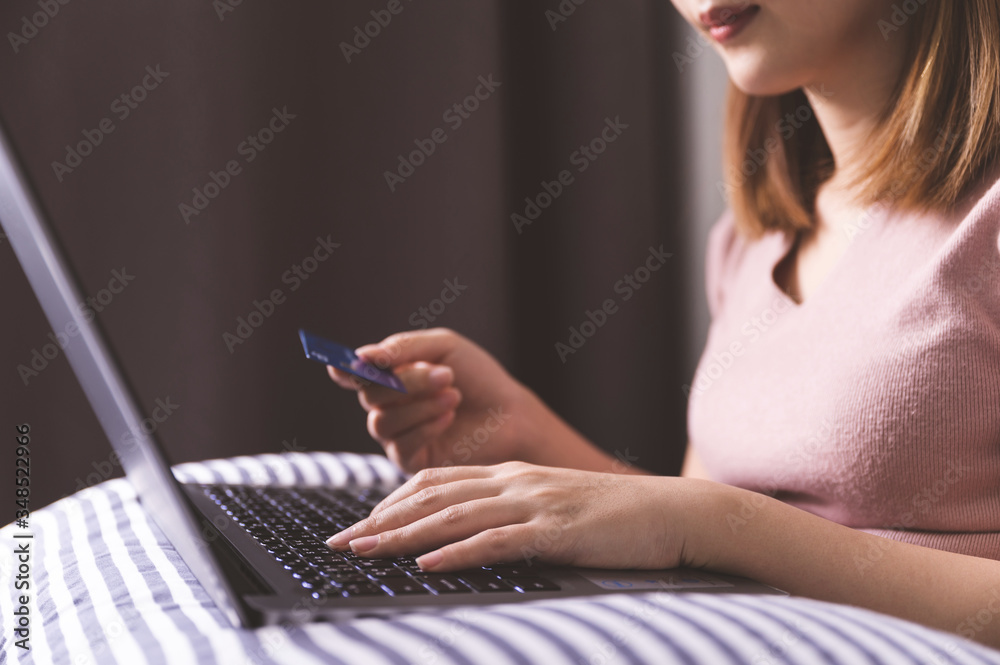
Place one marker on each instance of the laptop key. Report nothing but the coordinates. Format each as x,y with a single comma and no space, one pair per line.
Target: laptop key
527,584
485,583
443,583
508,571
383,573
344,579
335,564
403,586
363,589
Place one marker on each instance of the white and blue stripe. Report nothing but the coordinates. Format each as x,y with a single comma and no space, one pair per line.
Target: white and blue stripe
107,587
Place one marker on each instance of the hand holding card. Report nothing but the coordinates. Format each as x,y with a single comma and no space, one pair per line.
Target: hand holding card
461,407
343,358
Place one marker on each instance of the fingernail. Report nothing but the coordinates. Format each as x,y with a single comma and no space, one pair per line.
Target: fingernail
364,544
440,376
367,350
338,540
429,560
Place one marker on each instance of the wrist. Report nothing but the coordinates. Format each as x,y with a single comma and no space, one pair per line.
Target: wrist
745,531
711,514
542,437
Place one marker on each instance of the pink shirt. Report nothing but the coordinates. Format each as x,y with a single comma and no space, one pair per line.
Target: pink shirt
876,402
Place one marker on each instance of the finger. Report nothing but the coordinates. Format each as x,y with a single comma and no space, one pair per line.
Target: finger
416,507
421,379
431,478
344,379
501,544
413,450
452,524
387,424
409,461
407,347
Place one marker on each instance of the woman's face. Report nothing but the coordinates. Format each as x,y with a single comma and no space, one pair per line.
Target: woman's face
774,46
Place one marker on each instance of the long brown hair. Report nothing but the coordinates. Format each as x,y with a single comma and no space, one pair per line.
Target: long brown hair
936,136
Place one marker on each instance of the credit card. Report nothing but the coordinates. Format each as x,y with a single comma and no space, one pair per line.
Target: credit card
328,352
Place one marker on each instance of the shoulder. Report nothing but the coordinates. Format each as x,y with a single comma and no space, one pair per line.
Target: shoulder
726,246
972,256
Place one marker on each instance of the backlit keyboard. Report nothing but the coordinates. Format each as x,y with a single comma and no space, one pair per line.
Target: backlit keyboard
293,524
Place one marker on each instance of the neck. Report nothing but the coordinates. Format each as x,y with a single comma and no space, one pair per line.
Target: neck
849,101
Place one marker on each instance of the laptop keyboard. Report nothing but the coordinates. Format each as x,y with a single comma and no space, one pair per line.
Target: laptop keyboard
293,524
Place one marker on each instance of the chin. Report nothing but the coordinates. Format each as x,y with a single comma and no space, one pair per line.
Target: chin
754,75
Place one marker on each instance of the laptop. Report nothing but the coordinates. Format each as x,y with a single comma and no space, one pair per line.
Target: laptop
259,551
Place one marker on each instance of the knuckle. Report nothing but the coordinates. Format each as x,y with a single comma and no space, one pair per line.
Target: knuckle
425,498
449,336
453,515
497,539
514,466
425,478
398,338
391,347
376,423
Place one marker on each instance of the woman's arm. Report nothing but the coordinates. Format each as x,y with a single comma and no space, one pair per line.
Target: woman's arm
462,407
755,536
558,444
767,540
692,465
469,516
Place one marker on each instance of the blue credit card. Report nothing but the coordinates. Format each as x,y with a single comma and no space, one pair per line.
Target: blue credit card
336,355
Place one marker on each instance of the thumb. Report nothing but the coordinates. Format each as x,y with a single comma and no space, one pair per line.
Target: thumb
430,346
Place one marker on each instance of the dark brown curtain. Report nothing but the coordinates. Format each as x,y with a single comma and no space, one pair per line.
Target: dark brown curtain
255,115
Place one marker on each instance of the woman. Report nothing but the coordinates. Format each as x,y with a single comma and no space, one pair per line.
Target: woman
849,450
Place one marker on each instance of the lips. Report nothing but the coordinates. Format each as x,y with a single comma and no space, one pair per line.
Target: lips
724,23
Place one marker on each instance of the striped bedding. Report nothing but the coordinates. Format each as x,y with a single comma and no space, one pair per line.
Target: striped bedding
108,588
